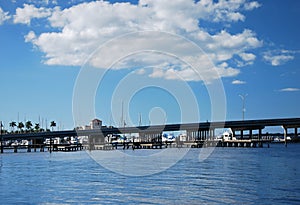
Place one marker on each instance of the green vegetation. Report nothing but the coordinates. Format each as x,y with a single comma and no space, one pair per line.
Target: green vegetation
27,127
52,124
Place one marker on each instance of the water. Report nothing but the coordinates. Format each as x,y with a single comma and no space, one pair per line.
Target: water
228,176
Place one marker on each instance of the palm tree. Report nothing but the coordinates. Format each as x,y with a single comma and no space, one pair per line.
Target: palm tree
21,126
52,124
28,125
12,124
37,127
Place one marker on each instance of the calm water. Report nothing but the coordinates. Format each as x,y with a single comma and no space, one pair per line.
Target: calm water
229,175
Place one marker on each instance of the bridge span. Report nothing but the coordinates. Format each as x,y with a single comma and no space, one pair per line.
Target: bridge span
153,134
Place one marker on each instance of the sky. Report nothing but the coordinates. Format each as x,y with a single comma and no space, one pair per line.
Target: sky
147,62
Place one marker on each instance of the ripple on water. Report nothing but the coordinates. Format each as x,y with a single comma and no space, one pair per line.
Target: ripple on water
229,175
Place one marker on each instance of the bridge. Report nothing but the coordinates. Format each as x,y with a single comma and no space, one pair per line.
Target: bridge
195,132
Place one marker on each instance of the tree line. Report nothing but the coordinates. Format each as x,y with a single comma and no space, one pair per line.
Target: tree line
26,127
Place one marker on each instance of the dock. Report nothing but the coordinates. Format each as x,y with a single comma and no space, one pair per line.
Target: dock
43,148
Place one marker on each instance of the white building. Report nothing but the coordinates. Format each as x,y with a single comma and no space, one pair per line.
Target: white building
96,124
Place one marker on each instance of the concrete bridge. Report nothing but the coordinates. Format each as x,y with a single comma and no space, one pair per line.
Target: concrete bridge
202,131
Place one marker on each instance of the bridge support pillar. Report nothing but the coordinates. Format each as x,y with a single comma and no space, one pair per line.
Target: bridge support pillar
259,134
250,133
285,132
195,135
189,135
91,141
233,133
1,139
34,144
1,147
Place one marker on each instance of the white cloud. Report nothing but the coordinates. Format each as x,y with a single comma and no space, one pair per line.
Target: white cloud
224,46
246,59
252,5
247,56
206,73
80,29
226,10
3,16
157,73
289,89
238,82
278,57
50,2
30,37
225,40
28,12
189,74
141,71
225,70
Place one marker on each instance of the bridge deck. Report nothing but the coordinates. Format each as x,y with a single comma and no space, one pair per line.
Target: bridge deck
236,125
152,135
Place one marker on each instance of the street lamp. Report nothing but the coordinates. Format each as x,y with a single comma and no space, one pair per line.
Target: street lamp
243,99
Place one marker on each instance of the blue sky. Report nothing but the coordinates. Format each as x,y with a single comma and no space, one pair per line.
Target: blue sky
253,46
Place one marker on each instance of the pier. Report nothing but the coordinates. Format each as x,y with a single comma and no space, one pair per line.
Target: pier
246,133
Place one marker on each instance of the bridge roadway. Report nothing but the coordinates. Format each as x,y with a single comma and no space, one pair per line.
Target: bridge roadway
204,126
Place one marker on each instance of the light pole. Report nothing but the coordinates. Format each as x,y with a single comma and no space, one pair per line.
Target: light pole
243,99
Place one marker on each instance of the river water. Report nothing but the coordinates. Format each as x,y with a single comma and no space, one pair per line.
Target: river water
227,176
